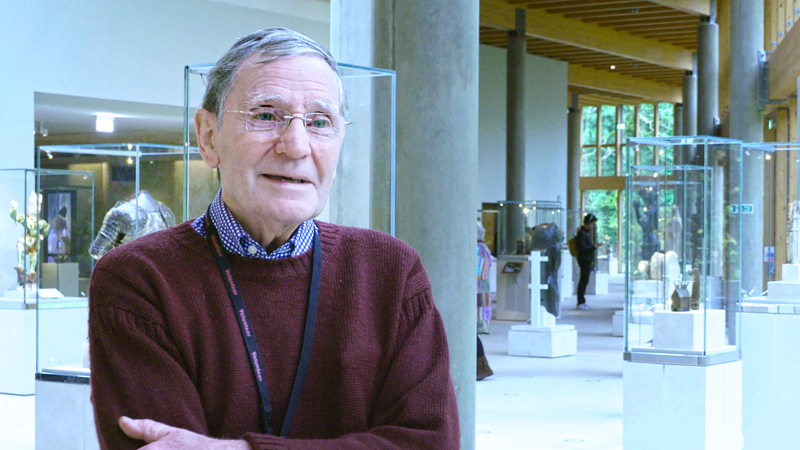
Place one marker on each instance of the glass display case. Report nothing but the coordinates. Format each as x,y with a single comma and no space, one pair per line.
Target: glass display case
51,218
523,227
97,197
363,192
682,250
772,244
516,221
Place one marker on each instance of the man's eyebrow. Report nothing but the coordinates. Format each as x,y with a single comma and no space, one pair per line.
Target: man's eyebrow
326,106
260,99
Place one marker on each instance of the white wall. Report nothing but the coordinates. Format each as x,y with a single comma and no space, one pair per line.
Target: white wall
129,50
546,130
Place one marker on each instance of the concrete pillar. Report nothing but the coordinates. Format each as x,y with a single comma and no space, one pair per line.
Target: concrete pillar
686,153
434,49
747,39
515,131
707,78
573,166
678,121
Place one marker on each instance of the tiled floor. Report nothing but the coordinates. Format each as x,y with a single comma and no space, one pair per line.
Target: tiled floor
529,403
565,403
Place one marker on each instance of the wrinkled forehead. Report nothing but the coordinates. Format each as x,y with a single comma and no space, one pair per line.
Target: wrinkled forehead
304,78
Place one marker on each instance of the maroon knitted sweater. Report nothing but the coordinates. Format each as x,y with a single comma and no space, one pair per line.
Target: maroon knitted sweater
165,344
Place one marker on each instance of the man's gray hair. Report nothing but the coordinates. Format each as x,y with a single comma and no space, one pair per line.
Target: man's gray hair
269,44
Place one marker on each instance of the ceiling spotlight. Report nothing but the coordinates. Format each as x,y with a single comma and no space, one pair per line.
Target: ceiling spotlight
613,67
129,160
104,124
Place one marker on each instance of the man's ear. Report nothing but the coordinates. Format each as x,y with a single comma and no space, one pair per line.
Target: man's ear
205,122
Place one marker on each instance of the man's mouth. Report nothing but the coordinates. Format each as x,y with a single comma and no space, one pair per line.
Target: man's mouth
285,179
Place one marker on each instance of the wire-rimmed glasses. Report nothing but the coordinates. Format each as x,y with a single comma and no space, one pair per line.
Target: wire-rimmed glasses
269,119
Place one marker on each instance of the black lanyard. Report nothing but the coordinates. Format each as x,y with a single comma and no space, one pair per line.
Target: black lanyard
212,235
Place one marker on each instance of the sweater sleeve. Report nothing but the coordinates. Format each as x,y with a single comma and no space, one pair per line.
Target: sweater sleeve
416,407
136,369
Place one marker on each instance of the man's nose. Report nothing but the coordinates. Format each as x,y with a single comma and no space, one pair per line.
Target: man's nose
294,141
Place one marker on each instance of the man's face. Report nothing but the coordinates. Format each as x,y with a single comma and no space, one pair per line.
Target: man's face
285,176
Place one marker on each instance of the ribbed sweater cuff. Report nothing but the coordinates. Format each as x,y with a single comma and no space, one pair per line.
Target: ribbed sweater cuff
264,441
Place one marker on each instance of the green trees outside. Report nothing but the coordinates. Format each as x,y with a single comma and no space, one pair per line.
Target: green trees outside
643,120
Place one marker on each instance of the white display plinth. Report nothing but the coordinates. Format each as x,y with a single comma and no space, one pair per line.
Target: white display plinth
542,341
689,330
668,407
565,272
64,416
63,327
598,284
790,273
30,295
618,323
783,292
18,360
770,367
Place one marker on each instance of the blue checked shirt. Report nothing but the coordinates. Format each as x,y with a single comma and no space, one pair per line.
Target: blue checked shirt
236,240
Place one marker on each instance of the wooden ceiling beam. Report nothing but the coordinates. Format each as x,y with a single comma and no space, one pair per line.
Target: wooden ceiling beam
579,7
644,19
637,17
655,34
588,36
623,12
694,7
622,84
677,23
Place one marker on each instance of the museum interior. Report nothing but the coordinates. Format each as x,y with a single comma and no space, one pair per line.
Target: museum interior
673,122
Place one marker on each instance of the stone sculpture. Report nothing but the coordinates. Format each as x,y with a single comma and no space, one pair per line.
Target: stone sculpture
547,238
143,213
656,266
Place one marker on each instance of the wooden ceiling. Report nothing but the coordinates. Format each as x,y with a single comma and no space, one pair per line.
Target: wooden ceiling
618,50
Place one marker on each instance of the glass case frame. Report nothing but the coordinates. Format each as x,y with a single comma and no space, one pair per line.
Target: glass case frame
513,218
121,173
778,161
682,277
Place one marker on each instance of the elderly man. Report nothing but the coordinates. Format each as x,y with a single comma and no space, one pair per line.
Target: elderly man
255,326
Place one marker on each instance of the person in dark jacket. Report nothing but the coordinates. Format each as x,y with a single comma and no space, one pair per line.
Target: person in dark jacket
586,251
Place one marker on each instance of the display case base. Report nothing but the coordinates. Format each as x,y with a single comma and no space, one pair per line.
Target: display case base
618,323
770,364
783,292
790,273
18,360
598,284
689,330
688,407
543,342
64,412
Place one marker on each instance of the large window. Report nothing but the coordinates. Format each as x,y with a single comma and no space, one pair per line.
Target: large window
605,130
